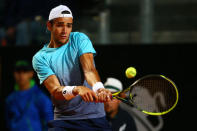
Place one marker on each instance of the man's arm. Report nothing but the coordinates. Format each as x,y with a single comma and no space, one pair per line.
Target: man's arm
90,72
55,89
92,76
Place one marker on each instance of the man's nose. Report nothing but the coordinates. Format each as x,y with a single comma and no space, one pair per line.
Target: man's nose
64,30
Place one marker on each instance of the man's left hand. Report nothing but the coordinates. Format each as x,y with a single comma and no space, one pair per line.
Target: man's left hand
104,95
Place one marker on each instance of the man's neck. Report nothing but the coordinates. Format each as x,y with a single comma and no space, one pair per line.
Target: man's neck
24,86
54,44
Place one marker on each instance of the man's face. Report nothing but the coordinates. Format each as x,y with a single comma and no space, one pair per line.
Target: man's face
60,29
23,77
111,106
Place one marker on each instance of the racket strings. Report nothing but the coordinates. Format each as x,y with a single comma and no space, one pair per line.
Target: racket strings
154,94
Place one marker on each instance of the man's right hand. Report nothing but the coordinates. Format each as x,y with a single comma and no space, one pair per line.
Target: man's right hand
104,95
86,94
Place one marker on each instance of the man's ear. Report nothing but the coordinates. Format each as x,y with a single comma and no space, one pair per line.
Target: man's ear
49,25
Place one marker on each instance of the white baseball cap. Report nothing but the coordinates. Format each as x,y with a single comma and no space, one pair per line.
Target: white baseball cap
113,85
60,11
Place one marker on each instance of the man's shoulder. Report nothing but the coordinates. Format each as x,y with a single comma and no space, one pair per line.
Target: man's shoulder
38,91
78,35
11,97
39,54
78,39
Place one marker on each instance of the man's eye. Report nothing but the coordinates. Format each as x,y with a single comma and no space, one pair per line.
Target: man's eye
69,26
59,25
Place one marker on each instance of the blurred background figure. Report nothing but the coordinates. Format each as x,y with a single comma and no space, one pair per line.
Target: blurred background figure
24,24
119,119
27,108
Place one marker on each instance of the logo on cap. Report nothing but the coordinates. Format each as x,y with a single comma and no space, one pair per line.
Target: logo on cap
64,92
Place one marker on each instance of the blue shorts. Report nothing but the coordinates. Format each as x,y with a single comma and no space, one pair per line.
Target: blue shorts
96,124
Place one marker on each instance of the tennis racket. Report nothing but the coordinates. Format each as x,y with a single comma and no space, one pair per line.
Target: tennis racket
151,94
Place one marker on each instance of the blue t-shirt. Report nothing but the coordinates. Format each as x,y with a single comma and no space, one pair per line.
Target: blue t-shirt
64,62
28,110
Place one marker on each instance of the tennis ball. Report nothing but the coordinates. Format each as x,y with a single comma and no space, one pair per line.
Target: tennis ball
130,72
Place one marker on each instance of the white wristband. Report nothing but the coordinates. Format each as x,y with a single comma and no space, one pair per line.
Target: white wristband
68,90
97,86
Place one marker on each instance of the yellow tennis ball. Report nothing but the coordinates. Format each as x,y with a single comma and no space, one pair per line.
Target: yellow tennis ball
130,72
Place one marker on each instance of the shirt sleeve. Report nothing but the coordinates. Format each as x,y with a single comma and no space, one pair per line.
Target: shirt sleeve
42,69
85,45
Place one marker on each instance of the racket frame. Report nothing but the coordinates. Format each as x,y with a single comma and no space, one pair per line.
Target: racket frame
131,103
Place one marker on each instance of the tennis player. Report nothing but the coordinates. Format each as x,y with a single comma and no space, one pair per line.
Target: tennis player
66,67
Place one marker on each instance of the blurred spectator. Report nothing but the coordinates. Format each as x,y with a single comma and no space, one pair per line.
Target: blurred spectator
2,36
27,108
23,19
119,119
2,28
